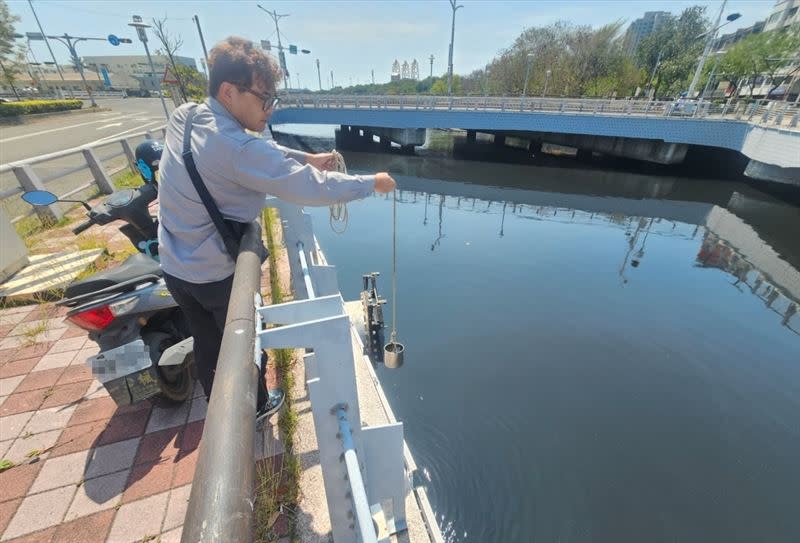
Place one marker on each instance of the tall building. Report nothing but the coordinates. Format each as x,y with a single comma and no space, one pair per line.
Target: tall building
127,67
784,13
643,27
726,40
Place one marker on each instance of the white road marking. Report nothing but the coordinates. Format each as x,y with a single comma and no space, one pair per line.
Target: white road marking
108,126
41,132
112,136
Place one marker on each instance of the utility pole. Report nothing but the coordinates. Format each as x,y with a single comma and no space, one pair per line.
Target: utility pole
44,37
450,57
281,56
431,66
373,76
298,81
332,85
319,76
140,30
202,41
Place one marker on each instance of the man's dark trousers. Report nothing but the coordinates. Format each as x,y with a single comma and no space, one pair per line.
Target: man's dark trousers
205,306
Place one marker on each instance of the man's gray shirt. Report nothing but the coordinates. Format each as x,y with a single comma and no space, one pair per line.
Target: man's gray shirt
239,170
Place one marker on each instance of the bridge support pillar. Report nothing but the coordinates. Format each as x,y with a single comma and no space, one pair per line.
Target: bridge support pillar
776,174
499,139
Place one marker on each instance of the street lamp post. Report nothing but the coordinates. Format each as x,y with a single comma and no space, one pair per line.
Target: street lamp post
319,76
546,80
709,43
140,30
52,55
450,56
202,41
527,75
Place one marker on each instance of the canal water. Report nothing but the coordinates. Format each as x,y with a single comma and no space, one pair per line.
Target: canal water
590,355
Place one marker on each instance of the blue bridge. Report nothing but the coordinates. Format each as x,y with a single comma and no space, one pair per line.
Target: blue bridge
767,134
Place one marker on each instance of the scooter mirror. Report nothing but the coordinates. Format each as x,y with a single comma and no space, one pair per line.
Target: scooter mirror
40,197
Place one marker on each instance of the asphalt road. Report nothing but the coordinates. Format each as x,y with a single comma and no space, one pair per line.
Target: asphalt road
127,116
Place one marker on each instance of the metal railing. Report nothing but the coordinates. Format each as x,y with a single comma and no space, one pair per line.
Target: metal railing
783,114
37,173
365,469
221,501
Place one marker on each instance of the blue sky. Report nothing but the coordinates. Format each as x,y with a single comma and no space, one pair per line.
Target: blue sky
349,37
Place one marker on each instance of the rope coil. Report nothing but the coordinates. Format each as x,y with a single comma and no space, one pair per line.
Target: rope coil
338,212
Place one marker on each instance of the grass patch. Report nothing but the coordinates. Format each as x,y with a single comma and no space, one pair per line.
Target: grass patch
126,179
28,227
5,464
32,332
277,488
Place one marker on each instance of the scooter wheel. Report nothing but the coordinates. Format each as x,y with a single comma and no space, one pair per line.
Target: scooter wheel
175,384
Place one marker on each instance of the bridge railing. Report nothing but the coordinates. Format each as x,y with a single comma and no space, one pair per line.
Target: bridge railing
783,114
64,173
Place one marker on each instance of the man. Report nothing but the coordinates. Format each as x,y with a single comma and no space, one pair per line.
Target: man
239,171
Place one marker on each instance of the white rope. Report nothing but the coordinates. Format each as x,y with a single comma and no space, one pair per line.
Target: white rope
338,212
394,267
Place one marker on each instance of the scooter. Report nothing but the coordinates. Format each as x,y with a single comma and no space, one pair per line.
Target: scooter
146,349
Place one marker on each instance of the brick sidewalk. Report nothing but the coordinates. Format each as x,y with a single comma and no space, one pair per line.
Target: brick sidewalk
86,471
97,473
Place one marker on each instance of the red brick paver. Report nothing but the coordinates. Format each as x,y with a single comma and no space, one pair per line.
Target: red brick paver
98,472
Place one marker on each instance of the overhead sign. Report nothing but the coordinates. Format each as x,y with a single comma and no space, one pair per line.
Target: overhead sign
266,45
34,35
292,49
113,40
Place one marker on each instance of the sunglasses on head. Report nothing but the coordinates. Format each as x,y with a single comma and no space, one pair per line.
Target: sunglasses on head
270,101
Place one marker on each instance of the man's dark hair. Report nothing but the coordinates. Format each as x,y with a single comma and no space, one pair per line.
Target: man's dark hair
238,61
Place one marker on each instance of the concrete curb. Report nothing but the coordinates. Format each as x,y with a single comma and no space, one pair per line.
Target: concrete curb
33,117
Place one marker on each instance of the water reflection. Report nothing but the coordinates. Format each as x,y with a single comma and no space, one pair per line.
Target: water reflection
591,356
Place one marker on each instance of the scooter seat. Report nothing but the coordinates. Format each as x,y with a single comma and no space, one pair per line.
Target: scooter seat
137,265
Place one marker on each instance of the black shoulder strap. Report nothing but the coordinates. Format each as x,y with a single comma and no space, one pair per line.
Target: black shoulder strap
231,243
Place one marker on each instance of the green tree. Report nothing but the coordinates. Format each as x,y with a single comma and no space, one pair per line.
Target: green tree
194,82
12,57
679,45
761,55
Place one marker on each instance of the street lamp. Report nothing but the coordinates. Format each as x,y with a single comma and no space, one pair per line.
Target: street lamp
450,56
527,75
140,30
711,37
546,80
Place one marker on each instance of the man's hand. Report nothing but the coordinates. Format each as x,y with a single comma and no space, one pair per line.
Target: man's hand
384,182
322,161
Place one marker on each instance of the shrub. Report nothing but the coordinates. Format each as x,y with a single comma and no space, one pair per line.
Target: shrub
26,107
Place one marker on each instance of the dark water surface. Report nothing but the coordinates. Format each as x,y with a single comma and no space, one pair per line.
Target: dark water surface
590,356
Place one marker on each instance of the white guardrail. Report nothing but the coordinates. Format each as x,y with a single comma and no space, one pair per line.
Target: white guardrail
782,114
88,158
366,470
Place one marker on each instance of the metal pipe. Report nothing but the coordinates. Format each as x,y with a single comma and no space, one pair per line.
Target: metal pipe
359,494
221,502
306,274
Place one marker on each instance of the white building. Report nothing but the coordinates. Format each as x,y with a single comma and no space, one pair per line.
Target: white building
784,13
643,27
134,67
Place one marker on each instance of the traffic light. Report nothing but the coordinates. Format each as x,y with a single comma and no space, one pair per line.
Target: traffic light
266,45
125,40
292,49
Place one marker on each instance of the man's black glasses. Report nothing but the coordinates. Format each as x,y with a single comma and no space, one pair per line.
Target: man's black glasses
269,100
